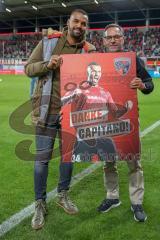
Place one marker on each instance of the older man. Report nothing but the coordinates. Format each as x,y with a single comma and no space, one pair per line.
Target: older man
114,42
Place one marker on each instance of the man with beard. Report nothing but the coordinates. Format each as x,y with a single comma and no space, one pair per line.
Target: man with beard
114,42
44,63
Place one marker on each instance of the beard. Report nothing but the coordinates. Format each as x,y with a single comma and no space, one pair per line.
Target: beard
77,33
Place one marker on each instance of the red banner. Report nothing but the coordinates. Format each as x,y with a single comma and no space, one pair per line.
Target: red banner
100,114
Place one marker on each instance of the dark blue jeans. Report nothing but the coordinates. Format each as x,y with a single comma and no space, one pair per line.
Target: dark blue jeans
45,139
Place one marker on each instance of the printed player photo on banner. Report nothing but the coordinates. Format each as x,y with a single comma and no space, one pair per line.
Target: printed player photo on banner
100,115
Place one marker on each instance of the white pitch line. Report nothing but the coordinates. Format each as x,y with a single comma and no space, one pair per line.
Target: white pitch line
17,218
149,129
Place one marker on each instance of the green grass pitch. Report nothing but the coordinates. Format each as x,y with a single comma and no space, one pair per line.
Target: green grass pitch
16,181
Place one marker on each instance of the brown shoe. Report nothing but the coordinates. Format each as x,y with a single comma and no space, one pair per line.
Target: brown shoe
38,219
65,202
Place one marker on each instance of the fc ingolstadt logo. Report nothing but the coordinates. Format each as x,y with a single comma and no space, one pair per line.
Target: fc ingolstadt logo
122,65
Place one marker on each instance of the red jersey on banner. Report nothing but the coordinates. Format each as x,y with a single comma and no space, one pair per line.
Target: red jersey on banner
100,116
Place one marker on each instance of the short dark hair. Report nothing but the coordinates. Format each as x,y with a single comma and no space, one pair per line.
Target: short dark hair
79,11
114,25
93,63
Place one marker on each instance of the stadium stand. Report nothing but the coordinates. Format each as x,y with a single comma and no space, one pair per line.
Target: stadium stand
16,48
145,43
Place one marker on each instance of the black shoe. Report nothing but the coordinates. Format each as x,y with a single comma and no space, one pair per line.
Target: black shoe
139,214
108,204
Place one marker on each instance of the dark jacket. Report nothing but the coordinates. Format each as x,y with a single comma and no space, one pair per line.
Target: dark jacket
144,75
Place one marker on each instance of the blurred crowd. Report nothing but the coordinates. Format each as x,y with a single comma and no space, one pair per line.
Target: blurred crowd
18,46
145,43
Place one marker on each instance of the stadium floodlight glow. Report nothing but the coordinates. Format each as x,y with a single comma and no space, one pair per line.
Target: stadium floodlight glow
25,2
8,10
64,5
96,1
34,7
